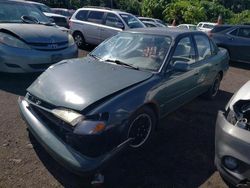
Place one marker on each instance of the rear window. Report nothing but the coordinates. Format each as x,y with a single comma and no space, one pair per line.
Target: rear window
82,15
95,16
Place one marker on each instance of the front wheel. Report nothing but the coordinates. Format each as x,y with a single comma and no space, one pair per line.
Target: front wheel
141,126
214,89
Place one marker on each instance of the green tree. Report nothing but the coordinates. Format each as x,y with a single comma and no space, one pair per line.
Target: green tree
214,9
241,18
184,11
132,6
153,8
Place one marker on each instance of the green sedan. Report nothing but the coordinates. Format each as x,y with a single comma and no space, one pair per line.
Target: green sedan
85,111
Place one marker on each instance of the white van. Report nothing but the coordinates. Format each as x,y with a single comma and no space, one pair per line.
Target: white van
92,25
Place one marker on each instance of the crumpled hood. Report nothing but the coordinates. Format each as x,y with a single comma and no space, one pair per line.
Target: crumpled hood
78,83
35,33
242,94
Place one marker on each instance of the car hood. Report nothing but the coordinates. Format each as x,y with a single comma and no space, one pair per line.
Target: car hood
78,83
35,33
242,94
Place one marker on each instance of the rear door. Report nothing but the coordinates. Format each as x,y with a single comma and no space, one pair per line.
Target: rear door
207,63
112,25
92,30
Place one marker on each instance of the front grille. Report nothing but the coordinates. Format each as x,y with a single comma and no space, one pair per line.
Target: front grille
49,46
91,146
39,102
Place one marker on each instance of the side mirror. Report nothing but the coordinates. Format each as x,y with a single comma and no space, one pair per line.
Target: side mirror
181,66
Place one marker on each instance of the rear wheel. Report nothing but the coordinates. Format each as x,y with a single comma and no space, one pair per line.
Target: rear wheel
214,89
141,126
79,39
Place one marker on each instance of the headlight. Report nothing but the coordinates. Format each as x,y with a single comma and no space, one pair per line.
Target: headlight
71,40
69,116
12,41
231,116
94,125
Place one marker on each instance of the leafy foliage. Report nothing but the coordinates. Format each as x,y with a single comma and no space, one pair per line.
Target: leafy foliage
182,11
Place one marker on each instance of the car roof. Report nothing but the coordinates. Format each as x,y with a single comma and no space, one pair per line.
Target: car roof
104,9
171,32
34,3
211,23
20,1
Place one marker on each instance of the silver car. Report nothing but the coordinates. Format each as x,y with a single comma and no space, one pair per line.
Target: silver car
232,139
94,25
28,41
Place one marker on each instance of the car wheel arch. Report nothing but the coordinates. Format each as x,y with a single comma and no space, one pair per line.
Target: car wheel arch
155,108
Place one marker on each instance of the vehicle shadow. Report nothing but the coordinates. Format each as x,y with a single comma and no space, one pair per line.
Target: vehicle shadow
240,65
16,83
181,153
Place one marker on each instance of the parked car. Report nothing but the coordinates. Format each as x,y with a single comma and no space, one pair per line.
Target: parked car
236,39
205,26
152,24
113,98
28,41
232,143
219,28
62,11
187,26
94,25
59,20
147,19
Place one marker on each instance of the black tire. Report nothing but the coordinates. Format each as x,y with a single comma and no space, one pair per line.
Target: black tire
79,40
140,127
214,89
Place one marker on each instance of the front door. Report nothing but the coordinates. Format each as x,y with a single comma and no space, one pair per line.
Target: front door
179,87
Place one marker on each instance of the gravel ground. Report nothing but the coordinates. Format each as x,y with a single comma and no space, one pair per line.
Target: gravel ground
180,155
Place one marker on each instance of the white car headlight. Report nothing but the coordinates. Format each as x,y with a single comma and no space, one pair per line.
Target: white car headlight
12,41
71,40
69,116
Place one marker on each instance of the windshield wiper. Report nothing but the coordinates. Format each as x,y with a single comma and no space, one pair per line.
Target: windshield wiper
94,56
118,62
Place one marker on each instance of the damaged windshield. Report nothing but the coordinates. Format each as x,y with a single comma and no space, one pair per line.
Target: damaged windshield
137,50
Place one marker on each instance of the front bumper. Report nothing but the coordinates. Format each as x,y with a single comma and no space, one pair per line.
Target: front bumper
232,141
60,151
15,60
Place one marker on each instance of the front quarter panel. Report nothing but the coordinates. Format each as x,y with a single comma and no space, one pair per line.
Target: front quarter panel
123,105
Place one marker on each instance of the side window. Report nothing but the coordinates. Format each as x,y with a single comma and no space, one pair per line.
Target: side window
113,21
95,16
82,15
244,32
234,32
203,46
184,51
